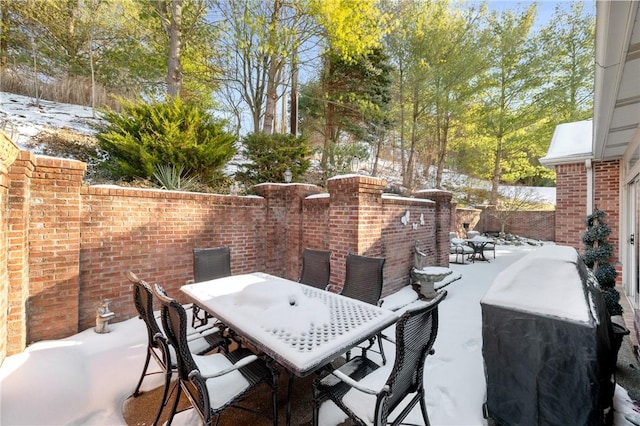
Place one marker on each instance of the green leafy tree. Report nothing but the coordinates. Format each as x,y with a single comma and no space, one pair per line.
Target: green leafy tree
569,49
437,52
173,132
511,86
596,256
352,102
269,156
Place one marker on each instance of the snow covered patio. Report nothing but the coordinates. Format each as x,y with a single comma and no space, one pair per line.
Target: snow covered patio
86,378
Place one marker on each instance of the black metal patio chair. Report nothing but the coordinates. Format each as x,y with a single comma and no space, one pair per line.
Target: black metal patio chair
158,348
363,281
416,332
316,268
211,382
209,264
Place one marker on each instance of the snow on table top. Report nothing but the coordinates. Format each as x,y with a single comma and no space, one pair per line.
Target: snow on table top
546,282
297,325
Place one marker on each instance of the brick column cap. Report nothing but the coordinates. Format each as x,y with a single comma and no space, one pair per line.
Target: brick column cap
300,189
8,150
359,182
434,194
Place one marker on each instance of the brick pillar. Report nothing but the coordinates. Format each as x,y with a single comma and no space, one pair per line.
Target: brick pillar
8,153
54,248
284,226
355,220
443,221
20,173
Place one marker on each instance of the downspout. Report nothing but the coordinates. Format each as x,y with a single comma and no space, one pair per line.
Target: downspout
589,165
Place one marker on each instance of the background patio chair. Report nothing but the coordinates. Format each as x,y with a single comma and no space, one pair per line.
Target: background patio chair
316,268
209,264
416,332
460,249
157,344
363,281
215,382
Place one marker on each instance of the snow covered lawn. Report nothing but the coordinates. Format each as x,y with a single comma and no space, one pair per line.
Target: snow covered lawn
84,379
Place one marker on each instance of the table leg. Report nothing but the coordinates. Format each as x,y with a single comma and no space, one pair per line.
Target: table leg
289,389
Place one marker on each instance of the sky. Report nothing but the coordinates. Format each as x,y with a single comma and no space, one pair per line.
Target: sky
84,379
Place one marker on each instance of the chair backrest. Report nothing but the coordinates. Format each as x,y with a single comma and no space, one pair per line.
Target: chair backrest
211,263
143,300
174,322
416,332
363,280
316,268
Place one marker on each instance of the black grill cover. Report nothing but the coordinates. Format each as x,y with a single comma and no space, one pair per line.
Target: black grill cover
546,343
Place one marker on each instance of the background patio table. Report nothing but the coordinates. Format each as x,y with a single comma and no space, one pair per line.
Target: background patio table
478,244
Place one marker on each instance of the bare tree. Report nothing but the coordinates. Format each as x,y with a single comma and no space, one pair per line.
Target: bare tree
514,199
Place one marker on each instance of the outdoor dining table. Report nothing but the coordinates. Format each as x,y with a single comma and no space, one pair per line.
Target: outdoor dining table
302,328
478,244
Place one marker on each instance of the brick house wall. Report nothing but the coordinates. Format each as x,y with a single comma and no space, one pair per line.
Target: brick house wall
571,204
66,246
606,190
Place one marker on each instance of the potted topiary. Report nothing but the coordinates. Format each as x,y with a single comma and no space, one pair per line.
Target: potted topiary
596,257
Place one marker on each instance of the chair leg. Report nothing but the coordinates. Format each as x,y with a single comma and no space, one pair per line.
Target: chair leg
175,403
384,358
165,393
423,408
144,373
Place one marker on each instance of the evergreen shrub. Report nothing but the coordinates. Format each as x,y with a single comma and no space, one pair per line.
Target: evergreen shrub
269,156
175,133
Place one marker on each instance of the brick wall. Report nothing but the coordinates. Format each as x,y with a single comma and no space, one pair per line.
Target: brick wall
539,225
67,246
399,238
20,174
153,234
54,248
8,309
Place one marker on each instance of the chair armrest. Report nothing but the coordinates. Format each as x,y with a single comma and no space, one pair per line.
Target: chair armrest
348,380
242,363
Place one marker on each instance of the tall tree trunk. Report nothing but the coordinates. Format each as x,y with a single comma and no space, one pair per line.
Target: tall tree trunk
407,178
497,172
294,92
174,31
443,135
273,81
274,73
328,125
402,124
